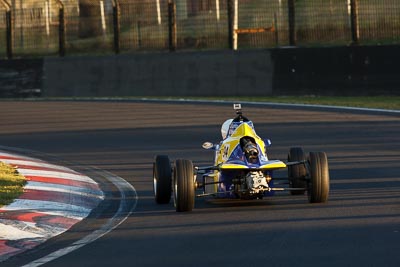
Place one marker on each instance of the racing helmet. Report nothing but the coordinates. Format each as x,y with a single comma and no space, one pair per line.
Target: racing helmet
225,128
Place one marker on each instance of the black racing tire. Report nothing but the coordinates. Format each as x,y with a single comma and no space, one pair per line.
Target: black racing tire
183,188
318,187
297,173
162,179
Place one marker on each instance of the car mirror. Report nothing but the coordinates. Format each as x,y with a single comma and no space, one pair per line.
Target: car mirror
267,142
208,145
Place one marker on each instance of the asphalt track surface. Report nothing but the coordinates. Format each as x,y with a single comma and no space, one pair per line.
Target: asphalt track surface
359,226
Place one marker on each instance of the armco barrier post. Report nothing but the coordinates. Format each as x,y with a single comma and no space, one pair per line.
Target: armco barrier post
292,24
117,25
172,25
355,29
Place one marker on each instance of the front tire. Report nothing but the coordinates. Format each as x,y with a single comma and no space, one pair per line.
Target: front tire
183,188
162,179
318,188
297,173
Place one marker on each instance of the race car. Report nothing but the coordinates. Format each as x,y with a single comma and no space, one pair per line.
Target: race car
241,170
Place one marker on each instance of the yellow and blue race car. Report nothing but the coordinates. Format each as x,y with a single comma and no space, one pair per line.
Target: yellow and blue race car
241,170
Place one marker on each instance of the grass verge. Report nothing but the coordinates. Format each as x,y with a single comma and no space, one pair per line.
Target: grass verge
373,102
376,102
11,184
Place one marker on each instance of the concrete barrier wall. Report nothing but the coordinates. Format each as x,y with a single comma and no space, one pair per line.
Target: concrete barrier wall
345,71
284,71
160,74
21,77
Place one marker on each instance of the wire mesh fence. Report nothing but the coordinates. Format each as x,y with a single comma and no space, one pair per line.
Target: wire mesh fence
35,30
144,25
202,25
257,19
379,21
89,27
50,27
323,22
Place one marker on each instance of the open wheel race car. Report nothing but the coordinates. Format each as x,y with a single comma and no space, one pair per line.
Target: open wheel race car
241,170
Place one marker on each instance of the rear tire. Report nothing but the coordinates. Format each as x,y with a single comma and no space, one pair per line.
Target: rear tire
297,173
318,187
162,179
183,189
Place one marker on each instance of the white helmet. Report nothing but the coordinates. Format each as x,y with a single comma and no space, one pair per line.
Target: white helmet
225,128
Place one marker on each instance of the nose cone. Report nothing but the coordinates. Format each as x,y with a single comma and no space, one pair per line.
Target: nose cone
244,130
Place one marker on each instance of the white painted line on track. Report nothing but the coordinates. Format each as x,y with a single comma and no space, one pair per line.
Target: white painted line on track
122,185
322,107
112,223
51,190
270,104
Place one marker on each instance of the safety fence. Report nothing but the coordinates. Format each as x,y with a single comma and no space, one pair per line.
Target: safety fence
60,27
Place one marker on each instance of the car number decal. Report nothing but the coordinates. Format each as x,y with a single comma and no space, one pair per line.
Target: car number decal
225,154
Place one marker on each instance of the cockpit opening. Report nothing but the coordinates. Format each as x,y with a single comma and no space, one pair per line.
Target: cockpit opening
250,149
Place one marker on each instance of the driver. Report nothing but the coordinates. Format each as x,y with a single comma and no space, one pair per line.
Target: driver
229,126
250,149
